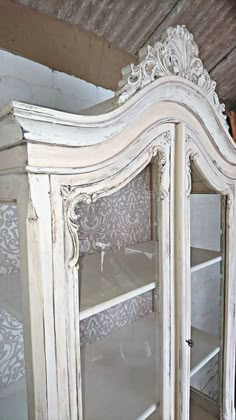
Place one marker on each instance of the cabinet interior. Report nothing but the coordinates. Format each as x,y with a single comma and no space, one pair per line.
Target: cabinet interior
120,297
207,209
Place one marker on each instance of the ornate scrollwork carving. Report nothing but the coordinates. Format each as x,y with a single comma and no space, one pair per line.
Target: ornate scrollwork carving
72,196
167,137
191,157
229,193
164,194
176,56
188,176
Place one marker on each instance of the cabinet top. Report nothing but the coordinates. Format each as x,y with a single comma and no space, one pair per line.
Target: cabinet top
169,84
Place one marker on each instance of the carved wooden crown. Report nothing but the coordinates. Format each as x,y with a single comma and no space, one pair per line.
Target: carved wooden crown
176,56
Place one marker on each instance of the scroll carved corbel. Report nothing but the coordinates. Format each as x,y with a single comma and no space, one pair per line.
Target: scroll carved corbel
191,157
163,193
72,197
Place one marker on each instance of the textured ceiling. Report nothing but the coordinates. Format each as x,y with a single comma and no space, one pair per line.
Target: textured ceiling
131,24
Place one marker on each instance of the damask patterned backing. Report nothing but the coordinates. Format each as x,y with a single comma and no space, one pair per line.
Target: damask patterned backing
98,326
9,241
120,219
11,349
11,330
12,367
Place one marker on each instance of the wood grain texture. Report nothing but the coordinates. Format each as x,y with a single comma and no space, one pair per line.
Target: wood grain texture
171,119
117,21
232,117
212,23
224,74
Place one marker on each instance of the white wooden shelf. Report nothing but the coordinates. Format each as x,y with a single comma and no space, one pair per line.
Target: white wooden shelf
120,371
115,276
205,347
201,258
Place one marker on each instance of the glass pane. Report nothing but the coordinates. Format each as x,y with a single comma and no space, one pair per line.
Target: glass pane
206,296
118,274
13,402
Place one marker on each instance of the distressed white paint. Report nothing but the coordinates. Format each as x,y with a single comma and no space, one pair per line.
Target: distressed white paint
87,157
177,56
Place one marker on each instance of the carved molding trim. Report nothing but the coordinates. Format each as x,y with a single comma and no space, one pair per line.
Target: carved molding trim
228,191
191,157
72,196
176,56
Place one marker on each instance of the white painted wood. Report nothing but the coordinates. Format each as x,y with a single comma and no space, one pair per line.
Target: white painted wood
32,263
73,193
205,347
64,127
66,309
182,274
36,274
96,308
87,157
202,258
164,293
229,332
157,61
14,188
115,276
150,410
10,130
40,198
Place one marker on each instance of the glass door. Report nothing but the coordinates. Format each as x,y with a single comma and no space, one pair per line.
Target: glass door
120,322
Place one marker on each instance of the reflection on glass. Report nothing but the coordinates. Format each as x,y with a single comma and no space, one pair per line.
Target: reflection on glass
13,403
206,305
119,326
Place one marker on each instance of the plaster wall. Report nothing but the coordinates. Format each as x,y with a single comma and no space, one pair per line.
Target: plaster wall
27,81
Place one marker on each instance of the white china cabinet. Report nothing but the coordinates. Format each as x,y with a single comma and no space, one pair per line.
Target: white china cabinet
117,241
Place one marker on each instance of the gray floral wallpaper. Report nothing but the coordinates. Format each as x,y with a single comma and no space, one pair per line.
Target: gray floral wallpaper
11,349
98,326
12,367
120,219
9,242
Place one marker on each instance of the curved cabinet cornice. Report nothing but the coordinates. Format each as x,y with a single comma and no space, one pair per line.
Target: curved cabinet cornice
169,99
